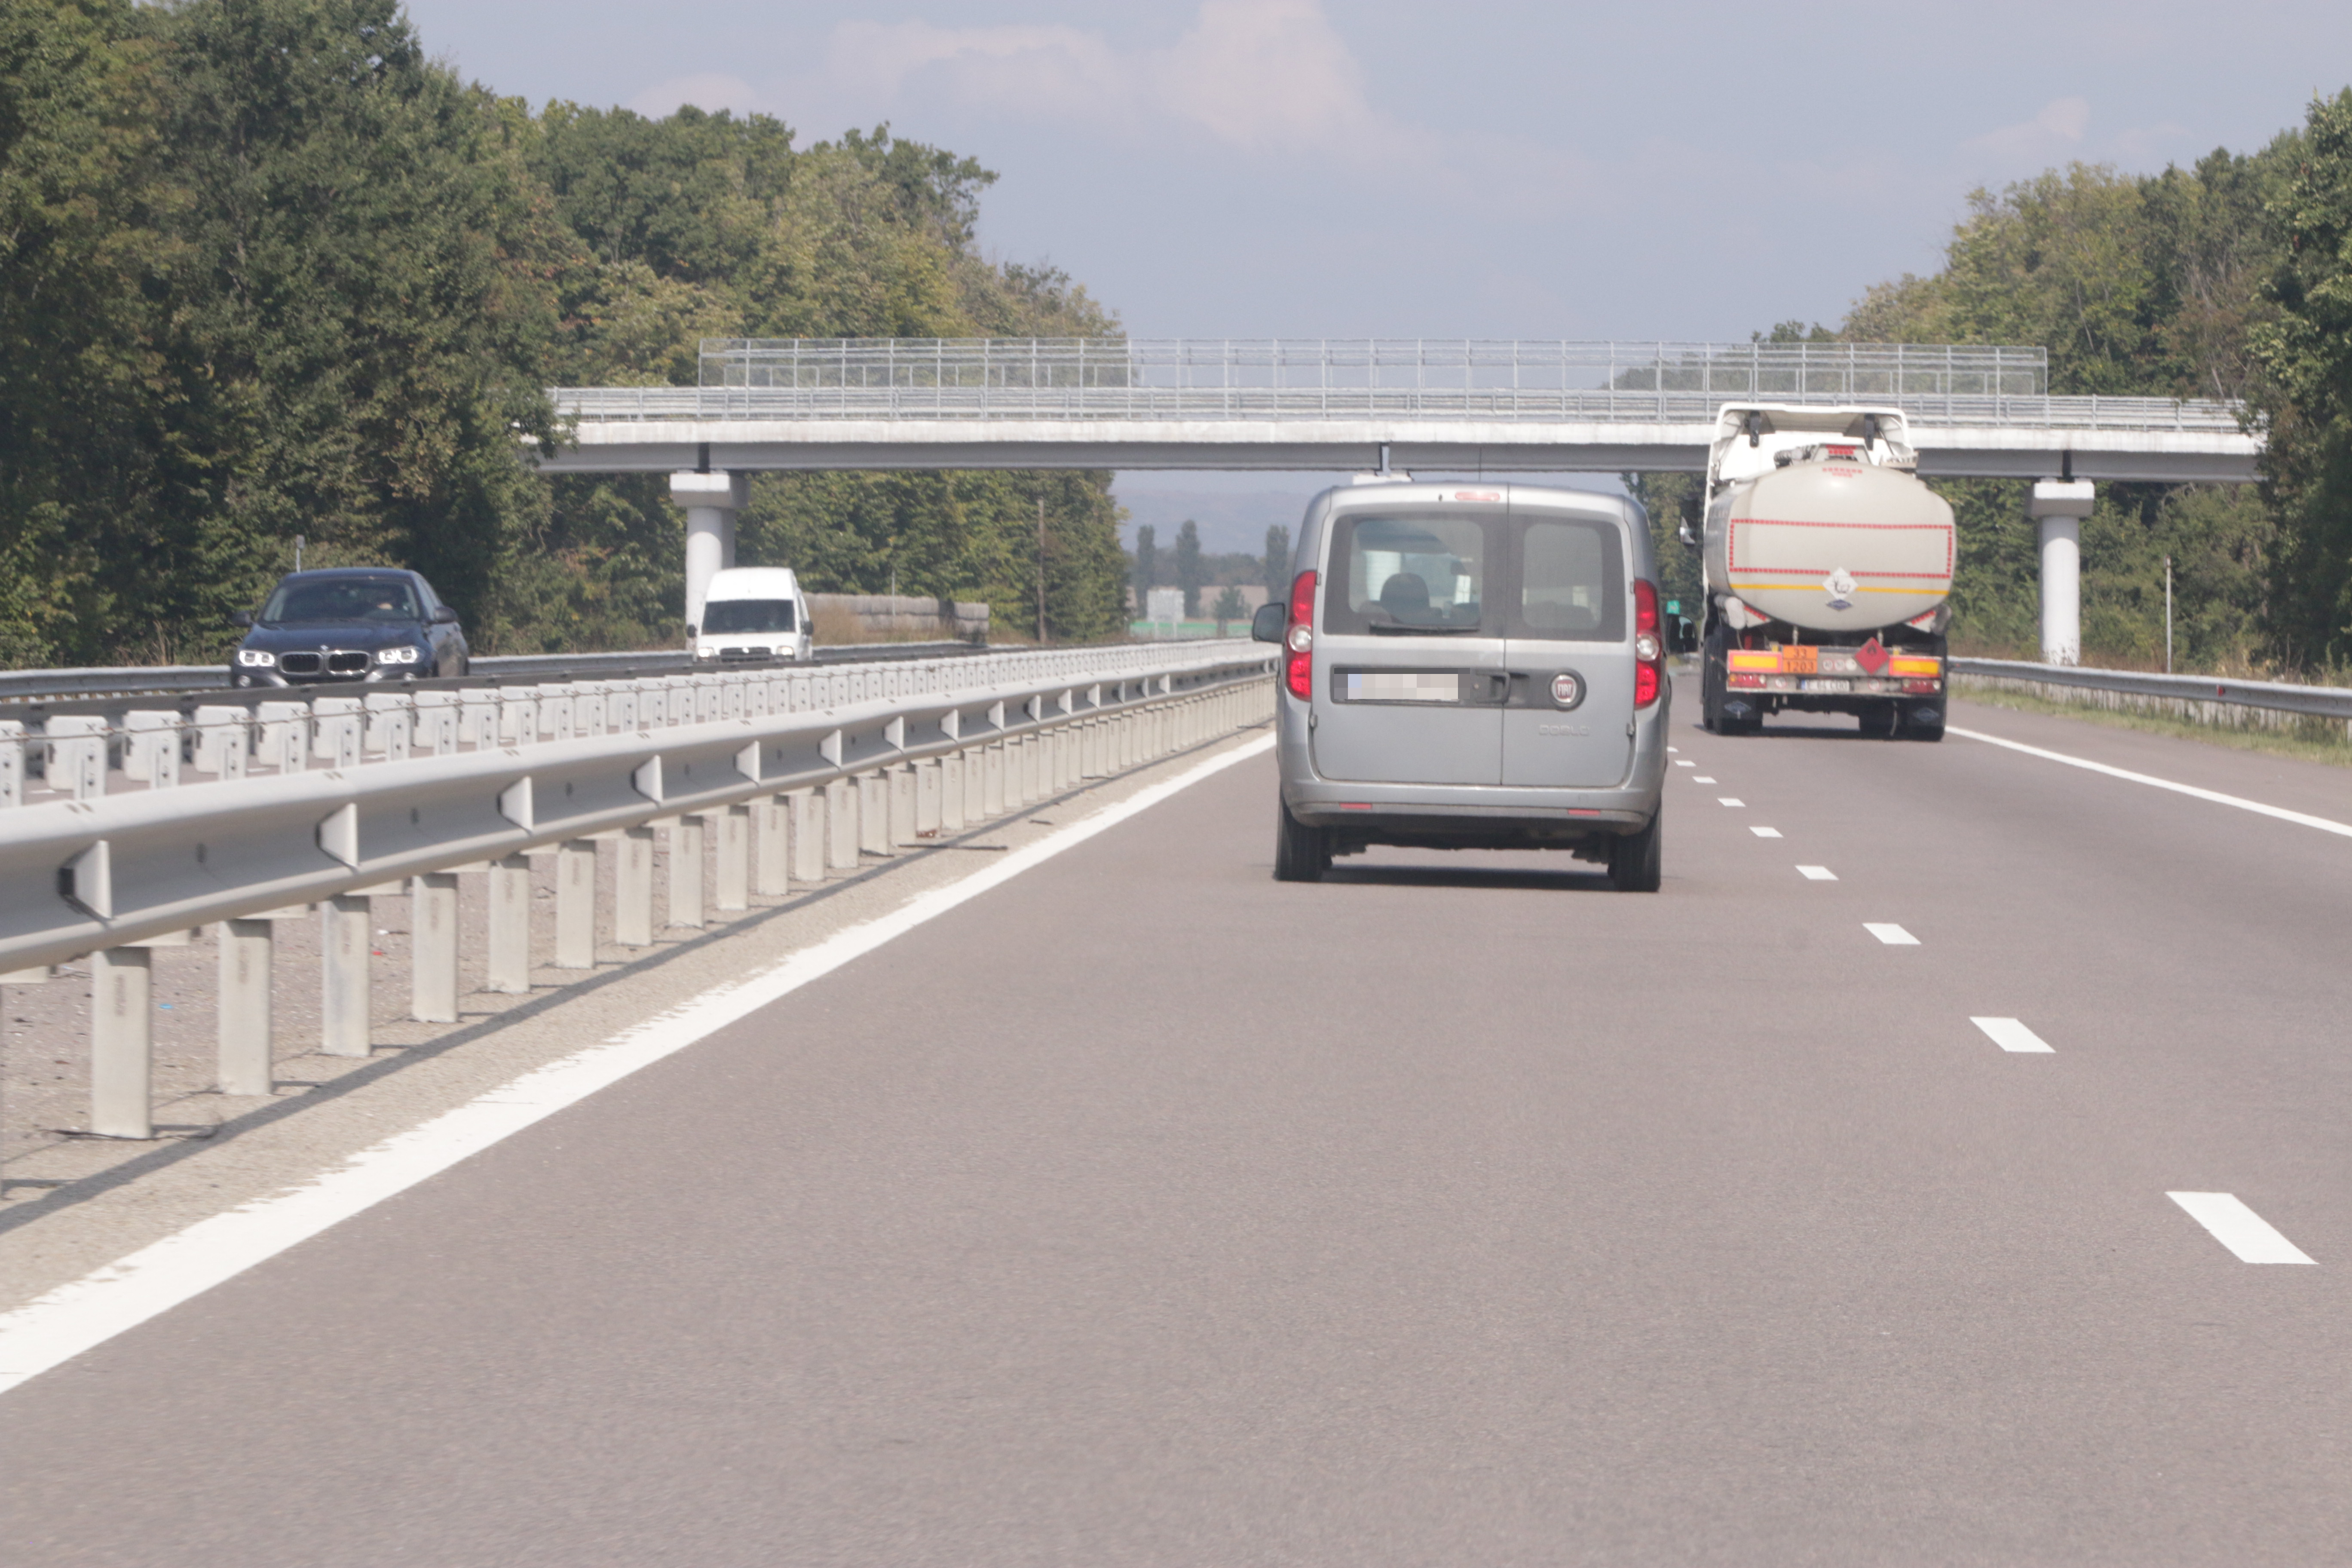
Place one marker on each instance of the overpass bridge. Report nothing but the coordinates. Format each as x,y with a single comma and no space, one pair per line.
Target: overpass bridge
1451,405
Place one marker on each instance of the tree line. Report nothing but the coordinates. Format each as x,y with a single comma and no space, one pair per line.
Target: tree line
266,269
2231,279
1187,568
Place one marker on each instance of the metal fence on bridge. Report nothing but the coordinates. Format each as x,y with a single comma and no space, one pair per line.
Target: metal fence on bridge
1310,379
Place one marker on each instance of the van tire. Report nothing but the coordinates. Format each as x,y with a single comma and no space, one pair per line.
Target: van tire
1301,854
1635,863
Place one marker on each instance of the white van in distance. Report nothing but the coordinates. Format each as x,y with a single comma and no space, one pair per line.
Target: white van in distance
753,614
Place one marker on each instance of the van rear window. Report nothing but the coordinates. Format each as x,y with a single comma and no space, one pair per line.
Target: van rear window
1571,581
1402,574
746,615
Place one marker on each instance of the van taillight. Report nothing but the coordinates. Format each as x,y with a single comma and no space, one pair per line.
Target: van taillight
1649,646
1298,638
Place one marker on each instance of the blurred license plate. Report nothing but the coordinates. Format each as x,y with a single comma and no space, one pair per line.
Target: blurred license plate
1831,684
1398,686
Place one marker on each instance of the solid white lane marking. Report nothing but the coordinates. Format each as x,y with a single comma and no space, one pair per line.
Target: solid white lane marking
1817,873
1701,778
2239,1229
2012,1036
1892,935
1729,800
2325,825
125,1293
1765,832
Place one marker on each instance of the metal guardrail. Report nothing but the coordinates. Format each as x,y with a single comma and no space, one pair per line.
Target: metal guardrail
309,800
1831,370
2277,697
146,680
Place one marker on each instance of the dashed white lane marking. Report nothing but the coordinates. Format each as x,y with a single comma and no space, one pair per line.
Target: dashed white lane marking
1730,800
1764,832
1817,873
122,1295
2342,829
1701,778
1684,763
2239,1229
1892,935
1674,748
2012,1036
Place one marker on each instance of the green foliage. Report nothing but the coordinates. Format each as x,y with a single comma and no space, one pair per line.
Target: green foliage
2307,351
1190,575
2213,281
269,270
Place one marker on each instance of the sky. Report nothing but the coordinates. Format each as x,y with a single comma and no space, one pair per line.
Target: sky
1480,168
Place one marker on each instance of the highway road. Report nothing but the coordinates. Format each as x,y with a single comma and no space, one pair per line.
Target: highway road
1455,1210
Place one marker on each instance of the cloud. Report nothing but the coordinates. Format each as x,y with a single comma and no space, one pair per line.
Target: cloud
711,91
2058,127
1259,76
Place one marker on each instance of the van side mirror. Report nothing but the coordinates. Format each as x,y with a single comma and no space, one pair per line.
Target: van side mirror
240,617
1692,516
1268,624
443,616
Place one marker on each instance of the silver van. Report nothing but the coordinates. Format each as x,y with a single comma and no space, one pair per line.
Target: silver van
1471,667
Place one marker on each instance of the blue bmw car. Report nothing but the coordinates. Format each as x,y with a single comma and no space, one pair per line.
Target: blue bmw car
349,624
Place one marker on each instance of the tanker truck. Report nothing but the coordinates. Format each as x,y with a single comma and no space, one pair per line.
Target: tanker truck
1827,565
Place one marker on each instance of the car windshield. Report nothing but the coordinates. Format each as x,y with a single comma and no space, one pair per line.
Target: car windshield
722,615
342,599
1393,573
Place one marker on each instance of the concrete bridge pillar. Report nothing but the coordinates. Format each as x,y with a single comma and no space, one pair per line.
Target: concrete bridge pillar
2059,507
710,502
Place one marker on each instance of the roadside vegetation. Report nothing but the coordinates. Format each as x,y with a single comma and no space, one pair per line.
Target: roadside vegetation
268,269
2228,279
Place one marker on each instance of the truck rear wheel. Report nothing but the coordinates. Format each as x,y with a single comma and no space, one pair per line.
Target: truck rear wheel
1635,864
1715,691
1301,854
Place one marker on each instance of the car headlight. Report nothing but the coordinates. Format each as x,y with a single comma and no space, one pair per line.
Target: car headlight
256,659
405,655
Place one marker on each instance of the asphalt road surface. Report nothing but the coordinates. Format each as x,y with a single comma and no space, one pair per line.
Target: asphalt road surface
1455,1210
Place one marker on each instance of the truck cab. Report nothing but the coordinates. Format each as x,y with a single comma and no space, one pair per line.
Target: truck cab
752,614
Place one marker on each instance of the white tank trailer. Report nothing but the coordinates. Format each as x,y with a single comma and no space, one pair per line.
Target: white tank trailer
1828,566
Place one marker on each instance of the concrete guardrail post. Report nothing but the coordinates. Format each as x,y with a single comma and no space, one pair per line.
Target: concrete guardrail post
510,943
433,947
841,805
346,940
992,781
633,887
804,810
900,781
121,1043
576,904
686,901
772,866
874,814
930,797
731,858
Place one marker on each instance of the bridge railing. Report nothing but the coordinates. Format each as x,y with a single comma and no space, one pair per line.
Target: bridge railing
1832,369
136,827
1524,405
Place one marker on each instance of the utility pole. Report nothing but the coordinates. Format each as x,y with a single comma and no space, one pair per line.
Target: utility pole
298,553
1040,570
2168,615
